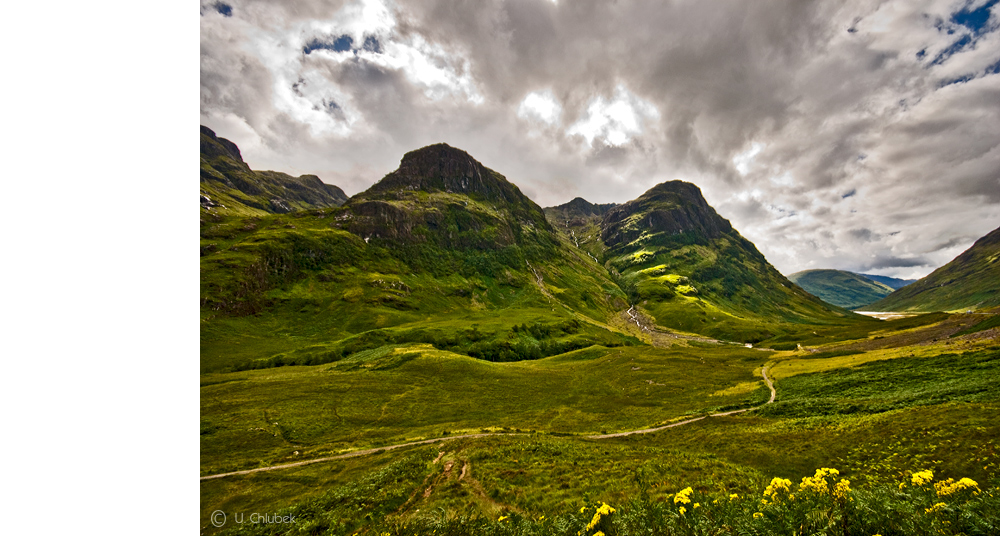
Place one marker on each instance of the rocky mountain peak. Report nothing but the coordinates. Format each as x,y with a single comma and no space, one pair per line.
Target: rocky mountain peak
443,168
672,207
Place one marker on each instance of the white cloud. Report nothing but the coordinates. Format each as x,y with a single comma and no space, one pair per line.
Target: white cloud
743,160
614,121
542,106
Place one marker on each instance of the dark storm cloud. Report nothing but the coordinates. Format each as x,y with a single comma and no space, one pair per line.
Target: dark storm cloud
893,262
803,122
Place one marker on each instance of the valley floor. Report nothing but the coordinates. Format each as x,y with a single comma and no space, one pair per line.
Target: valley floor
413,439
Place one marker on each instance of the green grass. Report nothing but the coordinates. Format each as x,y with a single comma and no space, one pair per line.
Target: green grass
407,392
876,422
881,386
465,486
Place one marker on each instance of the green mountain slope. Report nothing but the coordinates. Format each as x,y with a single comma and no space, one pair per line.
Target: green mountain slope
229,186
442,251
580,221
686,265
969,281
843,289
891,282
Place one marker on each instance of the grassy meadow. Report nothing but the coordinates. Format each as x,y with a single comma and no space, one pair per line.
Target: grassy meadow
877,416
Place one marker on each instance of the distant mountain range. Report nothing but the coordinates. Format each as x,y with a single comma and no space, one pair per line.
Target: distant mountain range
891,282
843,289
969,281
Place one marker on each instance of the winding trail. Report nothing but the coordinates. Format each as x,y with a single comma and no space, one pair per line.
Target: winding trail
364,452
763,373
348,455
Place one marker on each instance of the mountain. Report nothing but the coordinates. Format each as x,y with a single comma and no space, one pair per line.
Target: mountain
687,267
843,289
891,282
228,185
969,281
442,195
580,221
442,251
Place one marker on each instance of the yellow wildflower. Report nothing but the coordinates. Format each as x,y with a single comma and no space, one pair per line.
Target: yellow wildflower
818,482
682,510
841,489
947,487
604,509
922,477
599,533
583,509
502,518
683,496
934,508
776,485
733,496
696,505
757,515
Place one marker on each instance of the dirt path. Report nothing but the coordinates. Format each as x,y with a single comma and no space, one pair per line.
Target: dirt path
348,455
763,372
767,380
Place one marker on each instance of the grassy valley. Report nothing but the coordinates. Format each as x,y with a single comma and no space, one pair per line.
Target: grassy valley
440,355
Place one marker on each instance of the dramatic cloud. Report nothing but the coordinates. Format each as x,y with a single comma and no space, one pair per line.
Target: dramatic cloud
832,134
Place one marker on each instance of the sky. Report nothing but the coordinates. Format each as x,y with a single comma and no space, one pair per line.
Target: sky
853,135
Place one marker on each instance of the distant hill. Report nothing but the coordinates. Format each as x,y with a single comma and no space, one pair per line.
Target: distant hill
228,185
891,282
687,267
969,281
843,289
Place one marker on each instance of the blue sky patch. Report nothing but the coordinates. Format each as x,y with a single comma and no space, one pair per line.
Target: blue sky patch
372,44
951,50
994,69
225,9
340,44
976,19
